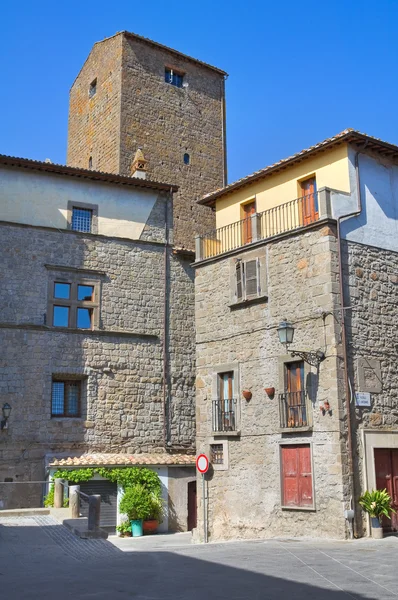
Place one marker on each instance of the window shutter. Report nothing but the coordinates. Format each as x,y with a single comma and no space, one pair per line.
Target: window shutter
239,282
251,277
305,476
290,495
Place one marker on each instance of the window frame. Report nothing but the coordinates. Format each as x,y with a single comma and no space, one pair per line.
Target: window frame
286,443
215,395
67,382
241,265
92,90
85,206
72,302
224,466
168,69
308,390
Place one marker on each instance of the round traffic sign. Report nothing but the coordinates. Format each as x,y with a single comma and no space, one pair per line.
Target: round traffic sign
202,463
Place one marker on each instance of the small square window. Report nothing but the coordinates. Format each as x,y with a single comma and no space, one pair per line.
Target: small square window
62,290
81,219
65,398
217,454
84,318
61,316
85,293
173,77
93,88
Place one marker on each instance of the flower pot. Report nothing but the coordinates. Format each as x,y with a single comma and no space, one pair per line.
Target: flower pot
270,391
150,526
136,528
377,528
247,394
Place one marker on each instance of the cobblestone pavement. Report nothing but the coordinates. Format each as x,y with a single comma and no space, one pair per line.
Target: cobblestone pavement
41,559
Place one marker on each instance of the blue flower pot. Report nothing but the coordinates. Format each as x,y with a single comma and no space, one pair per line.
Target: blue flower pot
136,528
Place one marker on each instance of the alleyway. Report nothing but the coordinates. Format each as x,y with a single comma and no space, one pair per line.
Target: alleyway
39,559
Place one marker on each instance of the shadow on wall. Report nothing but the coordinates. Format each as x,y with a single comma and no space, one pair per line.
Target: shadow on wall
245,571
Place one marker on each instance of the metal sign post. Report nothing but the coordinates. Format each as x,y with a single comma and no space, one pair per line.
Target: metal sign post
202,465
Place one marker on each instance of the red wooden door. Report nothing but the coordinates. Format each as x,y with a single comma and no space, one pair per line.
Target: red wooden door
192,511
248,211
386,466
309,201
296,475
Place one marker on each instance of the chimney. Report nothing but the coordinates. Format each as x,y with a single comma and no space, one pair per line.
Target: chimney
138,168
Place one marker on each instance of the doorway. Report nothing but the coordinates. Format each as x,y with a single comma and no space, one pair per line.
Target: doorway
309,199
386,467
192,514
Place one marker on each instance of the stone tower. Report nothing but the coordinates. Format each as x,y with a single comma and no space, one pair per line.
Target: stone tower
134,93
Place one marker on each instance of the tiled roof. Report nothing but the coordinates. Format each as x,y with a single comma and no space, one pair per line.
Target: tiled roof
107,460
38,165
348,135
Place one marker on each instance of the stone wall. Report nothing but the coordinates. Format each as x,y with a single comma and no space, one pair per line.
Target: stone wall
120,364
134,107
371,291
301,284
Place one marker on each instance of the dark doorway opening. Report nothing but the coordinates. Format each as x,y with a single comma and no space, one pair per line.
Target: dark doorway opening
192,514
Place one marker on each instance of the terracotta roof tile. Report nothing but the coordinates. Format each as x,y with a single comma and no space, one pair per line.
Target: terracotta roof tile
107,460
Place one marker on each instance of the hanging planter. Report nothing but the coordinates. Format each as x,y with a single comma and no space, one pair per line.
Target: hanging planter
247,395
270,391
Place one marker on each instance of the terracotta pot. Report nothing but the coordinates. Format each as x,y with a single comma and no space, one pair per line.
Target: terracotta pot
326,406
247,394
151,526
270,391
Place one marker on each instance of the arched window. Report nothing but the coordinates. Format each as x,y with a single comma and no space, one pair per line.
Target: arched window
187,158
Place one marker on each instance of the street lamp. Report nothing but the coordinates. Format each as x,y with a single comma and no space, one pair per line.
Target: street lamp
6,410
286,334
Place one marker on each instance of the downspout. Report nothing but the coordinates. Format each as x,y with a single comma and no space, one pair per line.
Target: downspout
348,391
165,317
224,129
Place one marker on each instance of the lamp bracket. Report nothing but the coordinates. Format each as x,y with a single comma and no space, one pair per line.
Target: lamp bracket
313,358
4,424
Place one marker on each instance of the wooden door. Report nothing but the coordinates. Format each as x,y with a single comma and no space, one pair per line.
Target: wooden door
309,201
227,413
192,510
296,408
386,466
248,211
296,475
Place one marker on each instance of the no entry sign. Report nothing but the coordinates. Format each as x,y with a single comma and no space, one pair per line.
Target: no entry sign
202,463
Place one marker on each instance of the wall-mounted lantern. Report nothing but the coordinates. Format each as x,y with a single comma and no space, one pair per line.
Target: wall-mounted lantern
6,410
286,335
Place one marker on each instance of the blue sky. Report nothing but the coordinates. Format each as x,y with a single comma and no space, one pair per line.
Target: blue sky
298,71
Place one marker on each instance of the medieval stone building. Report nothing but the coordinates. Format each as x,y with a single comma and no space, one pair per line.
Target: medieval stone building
97,318
296,432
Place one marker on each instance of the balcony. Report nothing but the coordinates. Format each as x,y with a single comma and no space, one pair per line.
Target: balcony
224,415
291,216
294,411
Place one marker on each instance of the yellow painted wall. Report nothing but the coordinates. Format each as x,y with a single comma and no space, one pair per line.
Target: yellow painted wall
42,199
330,169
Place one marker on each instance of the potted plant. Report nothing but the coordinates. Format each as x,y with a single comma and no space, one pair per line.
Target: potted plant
377,503
152,523
124,529
136,504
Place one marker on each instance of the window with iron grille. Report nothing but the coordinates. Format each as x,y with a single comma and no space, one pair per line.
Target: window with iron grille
224,406
217,454
173,77
81,219
74,303
247,279
65,398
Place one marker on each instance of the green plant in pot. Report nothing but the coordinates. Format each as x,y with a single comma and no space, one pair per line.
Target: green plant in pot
124,529
377,503
152,522
136,504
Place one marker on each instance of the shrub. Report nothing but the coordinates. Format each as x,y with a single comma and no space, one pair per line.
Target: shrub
136,502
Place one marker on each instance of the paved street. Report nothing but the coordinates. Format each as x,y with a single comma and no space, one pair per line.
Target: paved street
40,559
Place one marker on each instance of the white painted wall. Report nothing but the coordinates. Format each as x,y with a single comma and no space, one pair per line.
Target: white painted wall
377,225
35,198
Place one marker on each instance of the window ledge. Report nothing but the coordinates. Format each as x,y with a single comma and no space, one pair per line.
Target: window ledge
295,429
249,301
303,508
226,433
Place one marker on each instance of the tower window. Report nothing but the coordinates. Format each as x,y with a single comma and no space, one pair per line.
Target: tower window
90,162
93,88
187,159
173,77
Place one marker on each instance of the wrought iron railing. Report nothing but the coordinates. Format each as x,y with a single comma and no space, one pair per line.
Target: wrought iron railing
283,218
294,411
224,415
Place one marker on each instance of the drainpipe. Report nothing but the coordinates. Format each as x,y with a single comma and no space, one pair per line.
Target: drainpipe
165,318
348,391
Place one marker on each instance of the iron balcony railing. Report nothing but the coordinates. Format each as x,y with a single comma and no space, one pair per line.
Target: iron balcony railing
294,412
283,218
224,415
